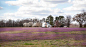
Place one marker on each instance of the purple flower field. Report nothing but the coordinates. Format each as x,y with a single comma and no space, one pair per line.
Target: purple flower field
27,34
44,29
72,36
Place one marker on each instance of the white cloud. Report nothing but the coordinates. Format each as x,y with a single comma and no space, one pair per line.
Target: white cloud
56,1
31,3
22,2
33,8
69,1
7,16
77,5
1,7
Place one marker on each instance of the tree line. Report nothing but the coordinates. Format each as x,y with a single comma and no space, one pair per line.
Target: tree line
60,21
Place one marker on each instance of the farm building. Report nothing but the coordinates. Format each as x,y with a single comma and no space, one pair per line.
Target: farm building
28,24
37,24
25,24
44,24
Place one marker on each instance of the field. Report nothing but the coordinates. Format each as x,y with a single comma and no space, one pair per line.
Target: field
42,37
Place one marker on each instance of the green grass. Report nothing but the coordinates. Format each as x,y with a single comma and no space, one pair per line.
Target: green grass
0,45
48,32
36,40
43,43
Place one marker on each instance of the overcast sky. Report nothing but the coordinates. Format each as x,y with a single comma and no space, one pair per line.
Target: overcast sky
22,9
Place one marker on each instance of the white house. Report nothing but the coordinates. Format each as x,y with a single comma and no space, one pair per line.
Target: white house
44,24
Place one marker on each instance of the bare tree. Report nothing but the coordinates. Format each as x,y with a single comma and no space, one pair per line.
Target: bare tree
80,18
68,20
2,23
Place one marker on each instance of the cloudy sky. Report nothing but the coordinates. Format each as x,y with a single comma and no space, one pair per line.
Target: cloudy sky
21,9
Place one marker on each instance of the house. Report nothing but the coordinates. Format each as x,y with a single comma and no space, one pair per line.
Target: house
44,24
38,24
28,24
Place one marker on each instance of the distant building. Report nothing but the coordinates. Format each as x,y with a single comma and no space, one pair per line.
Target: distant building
28,24
44,24
37,23
74,26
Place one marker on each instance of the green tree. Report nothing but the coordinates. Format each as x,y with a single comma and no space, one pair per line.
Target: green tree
56,18
50,19
59,21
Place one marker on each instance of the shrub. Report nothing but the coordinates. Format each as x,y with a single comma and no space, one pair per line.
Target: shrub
84,25
28,44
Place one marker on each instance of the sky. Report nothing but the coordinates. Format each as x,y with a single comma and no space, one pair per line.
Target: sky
22,9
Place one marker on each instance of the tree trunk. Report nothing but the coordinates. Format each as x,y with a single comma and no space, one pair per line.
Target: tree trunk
80,25
68,25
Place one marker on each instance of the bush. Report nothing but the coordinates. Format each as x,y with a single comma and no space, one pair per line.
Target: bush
28,44
62,25
84,25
